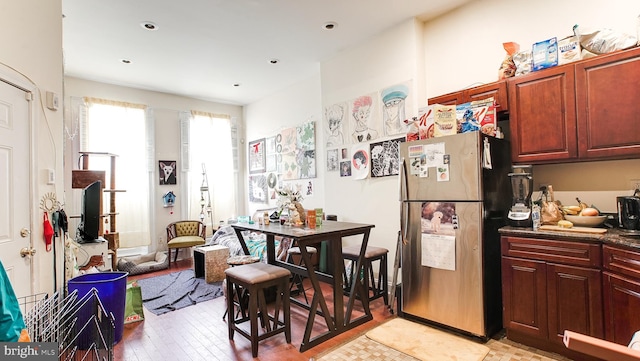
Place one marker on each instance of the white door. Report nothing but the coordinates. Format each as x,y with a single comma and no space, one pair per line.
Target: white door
15,202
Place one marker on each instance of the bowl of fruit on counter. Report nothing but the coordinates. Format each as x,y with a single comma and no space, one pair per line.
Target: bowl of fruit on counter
583,215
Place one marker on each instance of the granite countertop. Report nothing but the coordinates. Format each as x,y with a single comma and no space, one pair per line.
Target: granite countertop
613,236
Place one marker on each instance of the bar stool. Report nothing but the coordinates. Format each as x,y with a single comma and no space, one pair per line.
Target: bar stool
296,279
374,289
256,278
240,297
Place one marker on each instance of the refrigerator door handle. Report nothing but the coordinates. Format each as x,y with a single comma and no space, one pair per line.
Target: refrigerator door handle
404,206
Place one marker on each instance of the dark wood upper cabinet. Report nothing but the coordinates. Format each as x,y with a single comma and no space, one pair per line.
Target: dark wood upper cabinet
542,116
608,106
447,99
497,90
588,110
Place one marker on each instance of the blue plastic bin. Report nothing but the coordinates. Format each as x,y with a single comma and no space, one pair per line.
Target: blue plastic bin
111,289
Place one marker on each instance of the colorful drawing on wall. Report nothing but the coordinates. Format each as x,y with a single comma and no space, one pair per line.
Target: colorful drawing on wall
344,154
360,161
256,156
289,166
271,165
345,168
258,189
332,160
288,140
167,171
308,193
335,120
396,102
307,164
385,157
306,136
270,145
364,126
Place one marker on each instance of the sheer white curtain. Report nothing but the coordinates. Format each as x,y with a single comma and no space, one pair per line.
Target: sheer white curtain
210,173
120,128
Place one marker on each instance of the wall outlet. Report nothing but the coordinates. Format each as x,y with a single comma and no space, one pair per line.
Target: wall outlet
51,176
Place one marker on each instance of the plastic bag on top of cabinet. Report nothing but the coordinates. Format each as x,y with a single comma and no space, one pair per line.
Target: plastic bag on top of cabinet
603,41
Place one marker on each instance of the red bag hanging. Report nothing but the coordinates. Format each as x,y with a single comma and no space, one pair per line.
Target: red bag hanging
48,232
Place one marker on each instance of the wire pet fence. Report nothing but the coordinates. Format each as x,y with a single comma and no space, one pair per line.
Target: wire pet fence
82,327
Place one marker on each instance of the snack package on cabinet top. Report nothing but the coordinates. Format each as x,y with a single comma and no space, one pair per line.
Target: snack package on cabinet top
478,115
444,118
422,126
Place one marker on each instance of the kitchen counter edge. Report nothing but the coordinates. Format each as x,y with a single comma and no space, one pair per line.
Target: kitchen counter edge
613,236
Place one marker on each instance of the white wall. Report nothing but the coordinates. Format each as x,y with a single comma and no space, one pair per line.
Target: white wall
166,108
464,48
31,38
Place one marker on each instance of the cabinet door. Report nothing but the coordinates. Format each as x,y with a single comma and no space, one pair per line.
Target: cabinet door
608,107
497,90
621,305
447,99
542,116
575,301
524,296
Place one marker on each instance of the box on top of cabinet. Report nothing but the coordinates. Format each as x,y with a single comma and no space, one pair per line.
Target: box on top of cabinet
545,54
569,50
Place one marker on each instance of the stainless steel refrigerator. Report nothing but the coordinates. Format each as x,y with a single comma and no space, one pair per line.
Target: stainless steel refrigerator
455,194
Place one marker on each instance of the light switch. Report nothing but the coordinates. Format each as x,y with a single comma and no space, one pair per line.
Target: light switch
52,100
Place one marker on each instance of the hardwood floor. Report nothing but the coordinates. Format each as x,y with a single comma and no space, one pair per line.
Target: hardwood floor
199,333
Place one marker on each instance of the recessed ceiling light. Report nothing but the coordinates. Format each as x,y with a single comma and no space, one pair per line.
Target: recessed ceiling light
126,61
148,25
330,25
274,61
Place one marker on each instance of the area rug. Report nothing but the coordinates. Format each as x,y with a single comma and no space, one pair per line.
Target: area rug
176,290
426,343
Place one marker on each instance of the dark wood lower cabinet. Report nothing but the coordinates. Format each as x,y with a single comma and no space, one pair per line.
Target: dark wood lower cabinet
550,286
524,296
621,280
622,302
575,301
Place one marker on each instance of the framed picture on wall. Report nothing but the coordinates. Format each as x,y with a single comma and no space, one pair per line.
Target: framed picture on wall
257,160
167,171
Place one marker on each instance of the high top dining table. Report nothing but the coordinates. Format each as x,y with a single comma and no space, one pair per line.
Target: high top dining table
339,319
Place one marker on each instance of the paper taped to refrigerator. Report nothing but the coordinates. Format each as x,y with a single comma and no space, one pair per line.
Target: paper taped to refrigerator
439,251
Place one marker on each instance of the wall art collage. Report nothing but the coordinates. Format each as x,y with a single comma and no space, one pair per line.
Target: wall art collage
289,156
363,135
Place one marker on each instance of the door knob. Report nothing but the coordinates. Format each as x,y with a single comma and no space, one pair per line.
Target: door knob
24,233
27,252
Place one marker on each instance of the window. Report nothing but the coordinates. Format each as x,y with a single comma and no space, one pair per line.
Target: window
121,129
210,168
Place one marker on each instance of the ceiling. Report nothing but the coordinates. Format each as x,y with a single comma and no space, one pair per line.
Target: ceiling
222,50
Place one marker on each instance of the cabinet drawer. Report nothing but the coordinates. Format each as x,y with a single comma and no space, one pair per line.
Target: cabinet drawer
622,261
573,253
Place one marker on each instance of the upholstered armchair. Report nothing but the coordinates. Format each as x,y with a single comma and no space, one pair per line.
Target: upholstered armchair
183,234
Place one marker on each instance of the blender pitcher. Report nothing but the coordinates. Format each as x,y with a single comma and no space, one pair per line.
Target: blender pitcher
522,187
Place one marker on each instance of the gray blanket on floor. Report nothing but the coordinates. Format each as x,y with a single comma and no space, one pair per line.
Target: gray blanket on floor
177,290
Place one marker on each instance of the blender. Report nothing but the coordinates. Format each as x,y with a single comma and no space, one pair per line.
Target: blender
521,187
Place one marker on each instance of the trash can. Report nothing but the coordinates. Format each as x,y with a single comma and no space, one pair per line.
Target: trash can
111,288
